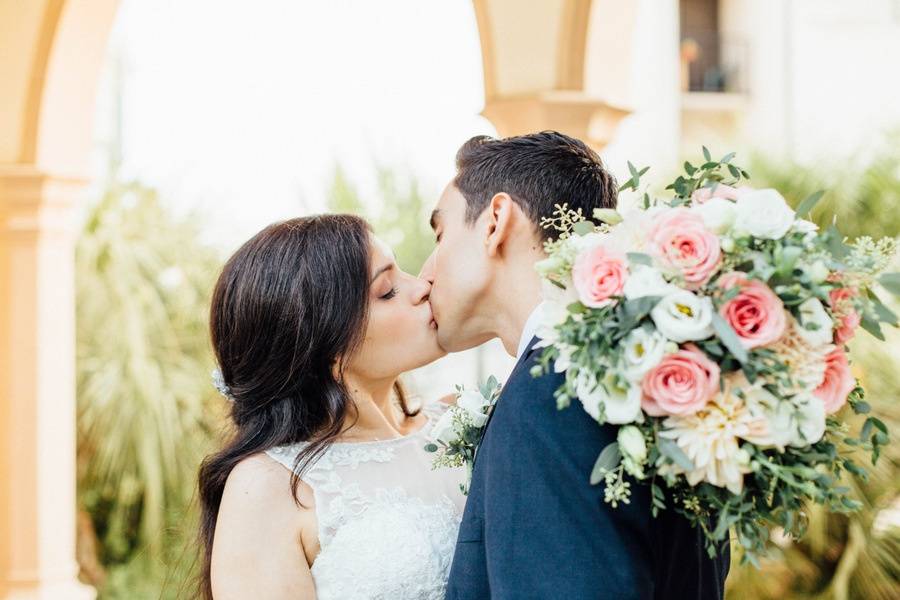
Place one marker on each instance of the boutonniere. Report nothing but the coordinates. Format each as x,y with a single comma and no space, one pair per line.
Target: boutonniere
457,434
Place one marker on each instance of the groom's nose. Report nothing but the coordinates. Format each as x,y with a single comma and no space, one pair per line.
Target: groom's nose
427,272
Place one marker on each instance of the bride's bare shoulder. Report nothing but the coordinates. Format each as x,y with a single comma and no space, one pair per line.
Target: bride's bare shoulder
258,482
259,530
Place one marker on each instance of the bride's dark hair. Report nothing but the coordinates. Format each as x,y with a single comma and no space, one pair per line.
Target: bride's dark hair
288,310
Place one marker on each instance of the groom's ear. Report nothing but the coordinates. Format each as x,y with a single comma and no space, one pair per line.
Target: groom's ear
501,217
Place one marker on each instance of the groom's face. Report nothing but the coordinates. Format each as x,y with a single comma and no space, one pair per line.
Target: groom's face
459,272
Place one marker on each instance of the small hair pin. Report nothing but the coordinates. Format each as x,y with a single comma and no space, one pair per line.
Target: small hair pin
218,380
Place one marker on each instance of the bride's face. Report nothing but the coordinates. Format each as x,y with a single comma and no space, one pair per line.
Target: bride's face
401,333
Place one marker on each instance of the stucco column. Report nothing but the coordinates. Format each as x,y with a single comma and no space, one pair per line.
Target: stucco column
37,386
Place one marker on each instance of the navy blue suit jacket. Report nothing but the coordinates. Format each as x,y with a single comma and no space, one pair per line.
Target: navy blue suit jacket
534,527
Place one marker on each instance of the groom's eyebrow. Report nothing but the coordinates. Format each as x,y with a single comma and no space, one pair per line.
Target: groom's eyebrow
435,216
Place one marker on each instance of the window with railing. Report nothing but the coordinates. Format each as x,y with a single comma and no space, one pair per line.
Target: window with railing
711,61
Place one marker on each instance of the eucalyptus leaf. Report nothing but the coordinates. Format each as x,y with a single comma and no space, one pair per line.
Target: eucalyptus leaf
872,326
891,282
807,205
882,311
639,258
729,338
607,461
671,450
583,227
706,154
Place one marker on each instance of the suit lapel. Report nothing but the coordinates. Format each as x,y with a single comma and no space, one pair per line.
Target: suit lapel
520,364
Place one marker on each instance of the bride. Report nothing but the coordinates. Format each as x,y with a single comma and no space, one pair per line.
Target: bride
324,489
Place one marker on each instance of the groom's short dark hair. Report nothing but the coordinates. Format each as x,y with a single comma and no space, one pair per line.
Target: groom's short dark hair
538,170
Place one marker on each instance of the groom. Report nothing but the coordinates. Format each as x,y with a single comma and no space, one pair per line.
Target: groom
533,526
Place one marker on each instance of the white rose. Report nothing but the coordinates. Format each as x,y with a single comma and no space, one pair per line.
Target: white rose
619,405
683,317
813,313
646,281
443,430
474,404
717,214
642,351
810,420
763,214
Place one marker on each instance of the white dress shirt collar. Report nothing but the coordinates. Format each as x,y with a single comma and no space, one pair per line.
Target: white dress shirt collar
529,331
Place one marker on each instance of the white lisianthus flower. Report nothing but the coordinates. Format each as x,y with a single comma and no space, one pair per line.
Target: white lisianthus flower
810,419
474,404
717,214
620,405
633,448
444,430
644,281
813,314
683,317
780,428
763,214
642,351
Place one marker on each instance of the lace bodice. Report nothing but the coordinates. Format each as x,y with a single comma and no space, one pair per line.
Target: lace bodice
387,520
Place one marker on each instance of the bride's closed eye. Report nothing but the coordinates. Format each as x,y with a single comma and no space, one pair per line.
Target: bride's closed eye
390,294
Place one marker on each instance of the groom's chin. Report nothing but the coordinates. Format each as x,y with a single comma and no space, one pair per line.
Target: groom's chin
449,342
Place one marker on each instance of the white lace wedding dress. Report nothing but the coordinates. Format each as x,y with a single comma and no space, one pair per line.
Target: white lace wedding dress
387,520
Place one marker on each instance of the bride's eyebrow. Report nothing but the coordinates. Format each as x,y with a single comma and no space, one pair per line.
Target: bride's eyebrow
383,269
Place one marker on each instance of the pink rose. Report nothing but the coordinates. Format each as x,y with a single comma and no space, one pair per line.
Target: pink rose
681,384
847,316
838,382
706,194
681,242
599,274
756,314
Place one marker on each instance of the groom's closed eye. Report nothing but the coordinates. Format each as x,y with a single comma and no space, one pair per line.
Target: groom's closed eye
435,224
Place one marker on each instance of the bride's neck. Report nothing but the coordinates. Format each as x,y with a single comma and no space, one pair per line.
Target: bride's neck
377,414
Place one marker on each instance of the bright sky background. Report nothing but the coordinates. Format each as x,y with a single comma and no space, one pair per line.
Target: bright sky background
241,109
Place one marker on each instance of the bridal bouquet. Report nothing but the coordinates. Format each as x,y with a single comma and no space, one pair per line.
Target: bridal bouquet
458,432
711,327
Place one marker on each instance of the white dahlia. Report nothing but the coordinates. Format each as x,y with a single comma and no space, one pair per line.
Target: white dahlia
710,439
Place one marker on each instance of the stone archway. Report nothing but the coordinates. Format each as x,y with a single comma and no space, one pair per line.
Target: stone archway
51,54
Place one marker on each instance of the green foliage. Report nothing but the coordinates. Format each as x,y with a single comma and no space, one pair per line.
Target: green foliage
863,194
145,405
399,214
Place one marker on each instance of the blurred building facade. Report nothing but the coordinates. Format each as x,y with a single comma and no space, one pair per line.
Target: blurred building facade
642,79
